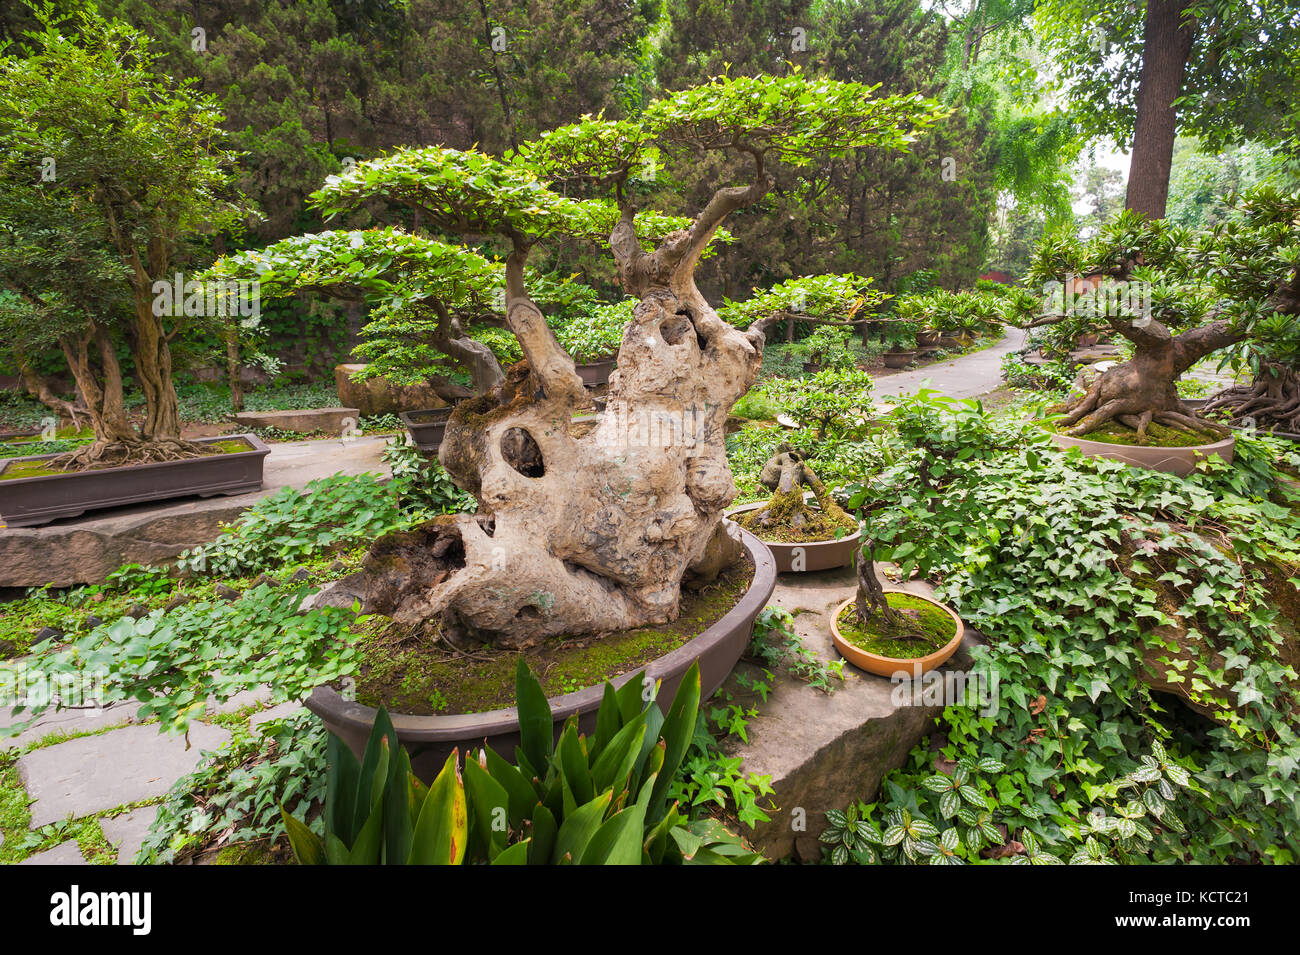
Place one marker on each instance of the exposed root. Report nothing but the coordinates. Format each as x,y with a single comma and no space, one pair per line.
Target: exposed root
1270,403
787,475
128,451
871,601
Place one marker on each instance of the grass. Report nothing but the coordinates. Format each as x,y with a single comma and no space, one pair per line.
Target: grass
419,675
936,626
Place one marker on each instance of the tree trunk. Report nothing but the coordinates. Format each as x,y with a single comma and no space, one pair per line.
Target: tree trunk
582,528
1166,46
153,371
102,392
1145,388
232,370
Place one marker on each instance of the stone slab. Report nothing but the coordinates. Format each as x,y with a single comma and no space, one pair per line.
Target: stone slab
127,833
306,420
824,750
64,721
94,773
84,550
68,853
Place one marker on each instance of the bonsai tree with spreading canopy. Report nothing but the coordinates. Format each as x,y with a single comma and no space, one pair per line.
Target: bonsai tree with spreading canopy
1177,297
588,529
108,175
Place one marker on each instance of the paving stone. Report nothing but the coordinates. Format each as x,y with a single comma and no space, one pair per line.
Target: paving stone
68,853
127,832
64,721
825,750
88,775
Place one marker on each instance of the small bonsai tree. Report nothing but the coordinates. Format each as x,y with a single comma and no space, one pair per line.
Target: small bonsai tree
591,530
108,176
1177,298
786,474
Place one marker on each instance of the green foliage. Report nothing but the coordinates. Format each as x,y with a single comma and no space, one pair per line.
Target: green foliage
329,514
831,297
597,333
599,800
423,483
775,644
234,795
1080,572
175,661
830,404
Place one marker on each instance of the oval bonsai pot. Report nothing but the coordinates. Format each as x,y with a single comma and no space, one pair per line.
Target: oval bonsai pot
429,739
899,359
810,555
596,373
31,501
427,427
1180,461
891,666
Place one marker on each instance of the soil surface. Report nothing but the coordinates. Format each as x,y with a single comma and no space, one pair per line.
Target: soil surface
423,675
936,629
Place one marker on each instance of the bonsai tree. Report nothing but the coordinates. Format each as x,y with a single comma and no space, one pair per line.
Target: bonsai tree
108,175
591,530
786,474
1176,298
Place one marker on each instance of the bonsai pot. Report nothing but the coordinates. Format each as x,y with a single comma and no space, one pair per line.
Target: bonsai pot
426,428
596,373
429,739
899,359
30,501
948,342
1180,461
1087,341
810,555
927,339
304,421
890,666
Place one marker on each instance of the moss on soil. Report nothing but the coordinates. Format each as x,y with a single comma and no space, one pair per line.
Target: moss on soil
819,525
1158,435
30,469
935,623
419,676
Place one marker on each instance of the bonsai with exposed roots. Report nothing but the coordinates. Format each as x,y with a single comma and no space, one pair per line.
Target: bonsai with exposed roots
1177,298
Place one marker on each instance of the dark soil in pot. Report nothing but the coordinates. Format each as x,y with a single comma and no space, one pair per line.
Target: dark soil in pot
421,675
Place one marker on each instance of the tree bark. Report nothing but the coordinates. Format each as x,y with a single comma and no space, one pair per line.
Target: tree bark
585,528
1166,47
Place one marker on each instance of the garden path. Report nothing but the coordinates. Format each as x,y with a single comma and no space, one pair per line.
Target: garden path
968,376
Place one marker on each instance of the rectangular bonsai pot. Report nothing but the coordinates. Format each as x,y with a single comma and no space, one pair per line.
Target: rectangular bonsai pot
30,501
427,427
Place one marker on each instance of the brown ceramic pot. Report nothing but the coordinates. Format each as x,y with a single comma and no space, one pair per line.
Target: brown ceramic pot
1180,461
31,501
890,666
808,556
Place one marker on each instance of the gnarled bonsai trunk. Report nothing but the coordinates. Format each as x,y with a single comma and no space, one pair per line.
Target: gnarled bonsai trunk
786,474
1145,388
1270,403
584,529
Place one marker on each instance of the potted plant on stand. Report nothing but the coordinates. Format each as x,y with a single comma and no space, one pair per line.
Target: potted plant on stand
593,339
901,339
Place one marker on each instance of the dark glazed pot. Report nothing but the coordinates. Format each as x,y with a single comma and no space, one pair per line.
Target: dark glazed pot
596,373
898,359
809,556
426,428
31,501
429,739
